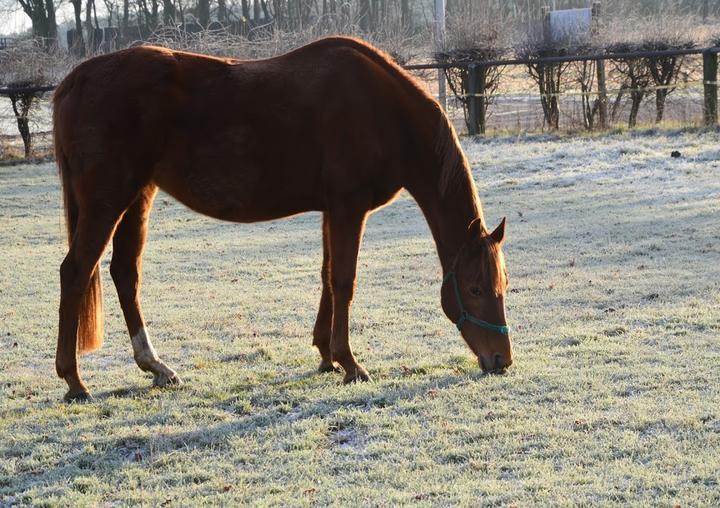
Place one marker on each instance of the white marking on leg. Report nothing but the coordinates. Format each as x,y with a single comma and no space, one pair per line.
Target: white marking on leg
148,360
143,350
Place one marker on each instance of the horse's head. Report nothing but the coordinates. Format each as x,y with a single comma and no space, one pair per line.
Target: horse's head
473,296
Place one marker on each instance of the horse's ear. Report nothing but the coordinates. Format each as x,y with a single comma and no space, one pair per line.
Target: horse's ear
475,229
498,235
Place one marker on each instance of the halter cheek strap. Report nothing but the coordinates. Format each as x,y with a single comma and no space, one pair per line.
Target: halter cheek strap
466,316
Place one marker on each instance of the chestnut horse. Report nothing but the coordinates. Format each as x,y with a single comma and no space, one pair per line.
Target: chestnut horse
334,126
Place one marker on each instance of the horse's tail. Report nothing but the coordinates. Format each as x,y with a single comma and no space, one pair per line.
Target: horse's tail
90,321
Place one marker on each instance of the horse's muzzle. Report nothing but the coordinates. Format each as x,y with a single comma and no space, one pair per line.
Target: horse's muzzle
497,364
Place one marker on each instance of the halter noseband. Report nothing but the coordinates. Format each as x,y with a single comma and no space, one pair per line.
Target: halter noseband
465,316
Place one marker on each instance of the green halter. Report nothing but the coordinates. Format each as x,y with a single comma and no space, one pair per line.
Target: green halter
465,316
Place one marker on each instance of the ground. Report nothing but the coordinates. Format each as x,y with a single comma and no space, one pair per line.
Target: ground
614,397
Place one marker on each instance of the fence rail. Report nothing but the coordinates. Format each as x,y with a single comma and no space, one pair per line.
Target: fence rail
13,90
476,69
564,59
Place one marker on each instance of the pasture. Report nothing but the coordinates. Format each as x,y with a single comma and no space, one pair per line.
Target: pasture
613,253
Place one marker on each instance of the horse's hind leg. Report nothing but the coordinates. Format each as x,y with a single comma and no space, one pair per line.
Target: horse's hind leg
323,324
92,233
126,271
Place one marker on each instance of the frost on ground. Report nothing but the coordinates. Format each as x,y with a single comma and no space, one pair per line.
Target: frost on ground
614,397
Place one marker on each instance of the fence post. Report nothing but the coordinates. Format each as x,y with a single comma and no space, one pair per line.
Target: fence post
547,29
481,99
710,76
477,74
472,91
439,46
602,93
600,68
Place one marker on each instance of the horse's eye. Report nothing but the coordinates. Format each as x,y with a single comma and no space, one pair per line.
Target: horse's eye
475,291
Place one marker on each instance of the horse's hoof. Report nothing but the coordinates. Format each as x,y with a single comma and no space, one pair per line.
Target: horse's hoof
359,375
81,396
328,367
162,379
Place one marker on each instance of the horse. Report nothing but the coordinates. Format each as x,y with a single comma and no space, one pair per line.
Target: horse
334,126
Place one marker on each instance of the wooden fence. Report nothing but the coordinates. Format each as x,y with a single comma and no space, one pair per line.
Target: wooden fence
476,71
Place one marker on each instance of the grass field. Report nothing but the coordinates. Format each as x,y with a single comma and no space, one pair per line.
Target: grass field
614,397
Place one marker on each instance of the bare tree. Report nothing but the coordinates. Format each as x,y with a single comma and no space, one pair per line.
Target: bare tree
406,15
24,69
78,43
42,16
203,12
89,29
584,74
547,76
634,74
222,13
112,10
474,35
665,72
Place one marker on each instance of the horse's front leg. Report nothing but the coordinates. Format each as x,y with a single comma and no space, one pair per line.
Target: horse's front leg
345,230
323,324
126,271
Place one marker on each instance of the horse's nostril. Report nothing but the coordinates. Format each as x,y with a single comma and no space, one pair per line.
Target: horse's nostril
497,364
493,364
482,364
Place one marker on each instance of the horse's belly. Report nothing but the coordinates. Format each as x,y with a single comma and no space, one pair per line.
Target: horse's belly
256,213
226,176
225,199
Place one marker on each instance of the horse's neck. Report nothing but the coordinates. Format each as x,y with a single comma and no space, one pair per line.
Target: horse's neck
449,215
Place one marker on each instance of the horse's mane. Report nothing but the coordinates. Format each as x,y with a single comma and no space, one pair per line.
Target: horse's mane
451,159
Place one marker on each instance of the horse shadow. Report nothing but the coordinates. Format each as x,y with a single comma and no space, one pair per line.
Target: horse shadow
114,451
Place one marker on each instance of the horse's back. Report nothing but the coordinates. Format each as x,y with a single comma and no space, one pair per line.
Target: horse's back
239,140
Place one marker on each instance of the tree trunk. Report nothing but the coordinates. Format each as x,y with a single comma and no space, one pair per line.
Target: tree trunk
78,43
21,104
547,75
263,5
364,15
154,16
125,19
660,96
95,18
89,31
203,12
636,99
42,16
51,23
405,13
222,12
278,12
169,12
664,72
